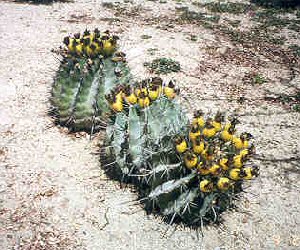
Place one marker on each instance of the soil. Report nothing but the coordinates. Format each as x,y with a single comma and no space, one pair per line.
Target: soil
53,193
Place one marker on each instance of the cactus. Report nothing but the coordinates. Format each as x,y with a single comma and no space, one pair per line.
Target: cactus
184,172
209,174
84,77
140,131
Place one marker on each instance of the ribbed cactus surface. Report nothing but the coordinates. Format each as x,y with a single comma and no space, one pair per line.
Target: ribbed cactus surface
139,135
84,77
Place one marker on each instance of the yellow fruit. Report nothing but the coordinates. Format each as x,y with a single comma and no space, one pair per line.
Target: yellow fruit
181,147
131,99
217,126
119,97
215,169
240,143
144,102
190,160
117,106
246,144
223,163
206,186
169,92
70,45
92,36
198,119
153,94
223,183
108,47
217,122
226,136
198,148
144,90
244,152
238,161
209,132
235,174
78,49
227,126
250,172
141,91
248,151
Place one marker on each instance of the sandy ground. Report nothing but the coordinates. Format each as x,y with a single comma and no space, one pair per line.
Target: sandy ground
53,193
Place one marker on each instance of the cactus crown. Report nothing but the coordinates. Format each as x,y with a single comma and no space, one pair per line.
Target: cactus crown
90,44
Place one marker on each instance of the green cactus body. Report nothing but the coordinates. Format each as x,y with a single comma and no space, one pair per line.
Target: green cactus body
78,94
140,138
89,70
175,194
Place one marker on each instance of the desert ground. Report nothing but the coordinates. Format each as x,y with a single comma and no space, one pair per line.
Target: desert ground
242,60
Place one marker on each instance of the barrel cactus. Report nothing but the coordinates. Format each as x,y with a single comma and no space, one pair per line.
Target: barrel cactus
213,164
89,69
185,172
145,118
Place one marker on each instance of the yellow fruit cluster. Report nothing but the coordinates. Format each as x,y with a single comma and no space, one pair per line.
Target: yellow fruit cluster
217,154
142,94
91,44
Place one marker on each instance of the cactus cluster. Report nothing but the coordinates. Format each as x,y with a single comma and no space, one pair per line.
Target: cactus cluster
187,172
